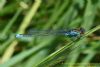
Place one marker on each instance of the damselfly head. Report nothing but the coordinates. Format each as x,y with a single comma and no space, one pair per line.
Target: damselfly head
82,30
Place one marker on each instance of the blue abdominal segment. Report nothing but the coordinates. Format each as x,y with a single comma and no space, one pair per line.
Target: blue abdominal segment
19,35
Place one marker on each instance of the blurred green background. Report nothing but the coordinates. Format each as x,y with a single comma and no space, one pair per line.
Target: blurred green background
20,16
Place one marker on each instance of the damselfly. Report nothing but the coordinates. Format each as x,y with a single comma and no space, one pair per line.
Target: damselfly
71,33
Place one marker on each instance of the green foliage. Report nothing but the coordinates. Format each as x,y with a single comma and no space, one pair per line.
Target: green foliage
49,51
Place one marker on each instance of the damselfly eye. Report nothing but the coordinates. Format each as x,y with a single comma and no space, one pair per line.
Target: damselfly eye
82,30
